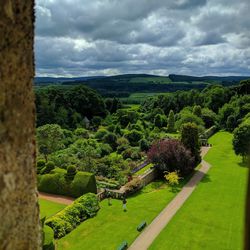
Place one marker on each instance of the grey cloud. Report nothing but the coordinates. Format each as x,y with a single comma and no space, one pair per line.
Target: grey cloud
82,37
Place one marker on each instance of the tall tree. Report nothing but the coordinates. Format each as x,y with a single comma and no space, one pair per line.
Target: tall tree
190,138
171,121
19,212
241,139
50,139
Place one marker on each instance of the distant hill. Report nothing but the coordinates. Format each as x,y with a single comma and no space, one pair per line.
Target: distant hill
58,80
209,79
124,85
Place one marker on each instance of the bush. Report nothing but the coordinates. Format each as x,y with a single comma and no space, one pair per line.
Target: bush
132,186
83,182
48,238
144,145
56,183
67,219
48,168
71,172
134,136
81,133
171,155
40,165
101,133
111,139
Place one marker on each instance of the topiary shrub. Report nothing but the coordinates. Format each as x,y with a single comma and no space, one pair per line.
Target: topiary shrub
40,165
49,167
67,219
56,183
83,183
71,172
53,184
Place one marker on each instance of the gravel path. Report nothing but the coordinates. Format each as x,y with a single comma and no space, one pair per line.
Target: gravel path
56,198
146,238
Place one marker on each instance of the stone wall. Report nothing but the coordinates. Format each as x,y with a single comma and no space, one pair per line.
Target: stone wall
149,176
19,211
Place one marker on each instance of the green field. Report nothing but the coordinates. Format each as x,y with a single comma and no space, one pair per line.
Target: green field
213,216
111,226
155,80
48,208
137,98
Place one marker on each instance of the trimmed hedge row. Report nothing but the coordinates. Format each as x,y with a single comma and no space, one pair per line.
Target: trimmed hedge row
67,219
56,183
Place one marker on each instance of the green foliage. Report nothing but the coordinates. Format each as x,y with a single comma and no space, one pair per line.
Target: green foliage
197,110
160,121
111,166
171,122
209,117
190,138
67,106
71,172
50,165
48,238
111,139
57,184
134,136
188,117
40,165
99,135
144,144
216,97
81,133
96,121
50,139
228,110
241,139
83,183
66,220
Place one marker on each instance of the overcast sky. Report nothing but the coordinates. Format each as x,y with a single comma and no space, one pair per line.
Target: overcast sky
107,37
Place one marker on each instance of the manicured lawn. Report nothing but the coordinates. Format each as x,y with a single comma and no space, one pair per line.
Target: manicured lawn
213,217
111,226
48,208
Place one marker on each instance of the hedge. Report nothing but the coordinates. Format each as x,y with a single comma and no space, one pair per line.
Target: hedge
67,219
48,238
55,183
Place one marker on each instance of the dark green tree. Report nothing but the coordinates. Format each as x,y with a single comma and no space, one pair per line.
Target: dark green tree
171,122
241,139
197,110
190,138
50,139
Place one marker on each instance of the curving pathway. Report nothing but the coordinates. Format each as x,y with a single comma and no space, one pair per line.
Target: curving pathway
146,238
56,198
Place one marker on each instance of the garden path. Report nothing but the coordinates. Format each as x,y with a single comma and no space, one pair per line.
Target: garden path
56,198
146,238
